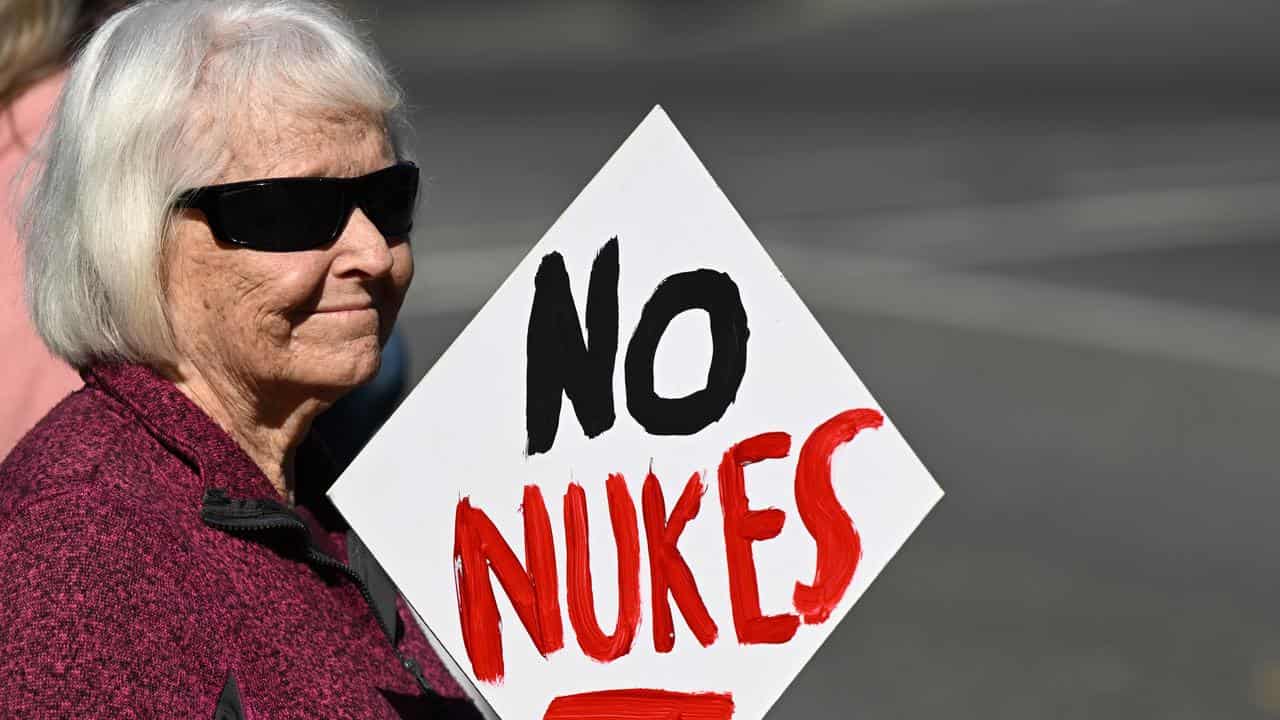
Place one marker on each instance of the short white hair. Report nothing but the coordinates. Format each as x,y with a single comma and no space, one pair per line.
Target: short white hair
146,113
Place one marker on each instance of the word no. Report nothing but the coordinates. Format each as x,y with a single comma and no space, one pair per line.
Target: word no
560,361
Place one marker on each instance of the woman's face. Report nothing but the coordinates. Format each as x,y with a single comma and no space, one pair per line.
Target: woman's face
310,322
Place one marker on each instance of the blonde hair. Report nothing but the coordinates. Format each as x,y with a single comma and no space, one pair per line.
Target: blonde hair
33,42
144,115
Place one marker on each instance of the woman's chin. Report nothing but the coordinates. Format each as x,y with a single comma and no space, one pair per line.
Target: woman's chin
334,375
362,369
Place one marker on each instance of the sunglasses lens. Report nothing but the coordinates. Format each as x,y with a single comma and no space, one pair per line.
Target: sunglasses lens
304,213
283,216
388,197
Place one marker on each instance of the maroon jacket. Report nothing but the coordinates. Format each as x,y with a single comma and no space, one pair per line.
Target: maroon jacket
148,570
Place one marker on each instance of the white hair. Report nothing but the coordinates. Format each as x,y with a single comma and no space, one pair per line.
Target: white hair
145,114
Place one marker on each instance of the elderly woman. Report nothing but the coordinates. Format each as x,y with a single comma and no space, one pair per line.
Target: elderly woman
218,241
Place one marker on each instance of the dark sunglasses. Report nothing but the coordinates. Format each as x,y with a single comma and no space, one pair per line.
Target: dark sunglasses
302,213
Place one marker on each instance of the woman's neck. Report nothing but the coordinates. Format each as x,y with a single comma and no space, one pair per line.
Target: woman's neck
268,430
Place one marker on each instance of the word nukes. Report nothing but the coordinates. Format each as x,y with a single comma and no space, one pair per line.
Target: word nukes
533,587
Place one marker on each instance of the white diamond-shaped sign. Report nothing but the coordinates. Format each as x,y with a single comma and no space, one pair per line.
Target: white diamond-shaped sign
709,441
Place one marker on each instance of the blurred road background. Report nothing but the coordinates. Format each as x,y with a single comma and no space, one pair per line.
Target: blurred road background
1045,235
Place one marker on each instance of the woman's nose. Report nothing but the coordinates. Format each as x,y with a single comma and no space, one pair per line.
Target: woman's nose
362,248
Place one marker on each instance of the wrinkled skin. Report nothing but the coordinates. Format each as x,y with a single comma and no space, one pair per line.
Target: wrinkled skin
266,341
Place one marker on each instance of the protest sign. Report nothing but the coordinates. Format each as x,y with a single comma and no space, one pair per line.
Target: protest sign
642,482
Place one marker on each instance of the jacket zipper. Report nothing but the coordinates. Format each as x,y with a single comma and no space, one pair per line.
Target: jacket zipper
239,516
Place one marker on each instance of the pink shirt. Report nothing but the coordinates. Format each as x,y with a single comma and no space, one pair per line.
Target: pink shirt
146,563
31,379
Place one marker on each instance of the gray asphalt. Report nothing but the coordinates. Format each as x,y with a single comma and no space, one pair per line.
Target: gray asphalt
1044,234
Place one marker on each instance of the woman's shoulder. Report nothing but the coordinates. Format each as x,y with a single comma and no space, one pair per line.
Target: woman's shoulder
93,579
72,498
86,446
83,480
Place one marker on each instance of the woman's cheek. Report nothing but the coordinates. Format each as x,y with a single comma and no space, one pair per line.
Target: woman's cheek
402,269
292,287
281,295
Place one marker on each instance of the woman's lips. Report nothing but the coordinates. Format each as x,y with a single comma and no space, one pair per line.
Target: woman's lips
345,309
365,316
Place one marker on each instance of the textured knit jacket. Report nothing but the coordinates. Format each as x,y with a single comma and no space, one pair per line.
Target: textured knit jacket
148,570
